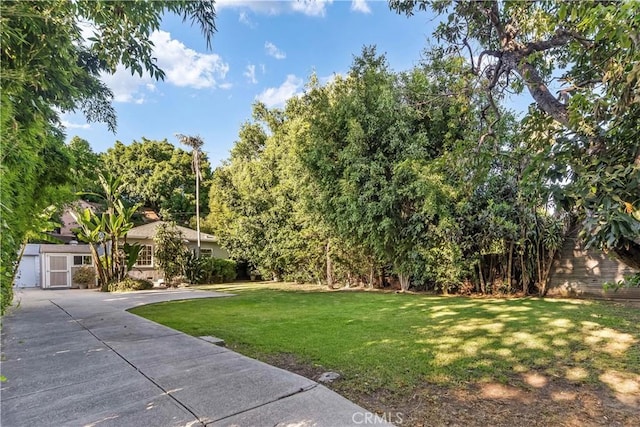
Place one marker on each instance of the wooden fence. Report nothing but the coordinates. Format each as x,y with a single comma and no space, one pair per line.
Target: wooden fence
580,272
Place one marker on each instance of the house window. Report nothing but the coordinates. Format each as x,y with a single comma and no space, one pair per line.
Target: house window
79,260
206,252
145,258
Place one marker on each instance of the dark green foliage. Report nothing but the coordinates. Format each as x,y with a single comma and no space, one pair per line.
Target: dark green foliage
217,270
129,284
192,267
85,169
378,152
159,176
169,251
257,200
580,62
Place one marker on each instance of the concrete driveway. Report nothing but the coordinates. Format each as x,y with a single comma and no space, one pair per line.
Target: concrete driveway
77,358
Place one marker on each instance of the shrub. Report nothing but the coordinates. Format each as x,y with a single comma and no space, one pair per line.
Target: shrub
169,251
84,276
216,270
193,267
130,284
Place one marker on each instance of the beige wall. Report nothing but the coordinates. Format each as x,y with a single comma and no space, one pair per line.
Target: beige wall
153,274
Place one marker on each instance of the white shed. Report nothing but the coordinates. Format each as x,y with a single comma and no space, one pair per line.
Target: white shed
51,266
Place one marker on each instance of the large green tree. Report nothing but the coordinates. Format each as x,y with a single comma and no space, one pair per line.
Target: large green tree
580,62
85,167
378,151
160,176
47,68
258,199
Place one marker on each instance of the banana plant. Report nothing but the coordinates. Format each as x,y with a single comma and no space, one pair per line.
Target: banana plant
106,234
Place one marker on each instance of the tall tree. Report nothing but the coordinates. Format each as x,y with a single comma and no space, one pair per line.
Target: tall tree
257,200
86,166
161,176
196,143
589,54
373,143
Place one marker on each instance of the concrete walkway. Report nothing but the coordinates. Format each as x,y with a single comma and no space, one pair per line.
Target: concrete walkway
77,358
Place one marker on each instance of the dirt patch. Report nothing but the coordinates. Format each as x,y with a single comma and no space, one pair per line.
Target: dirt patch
291,363
493,404
527,400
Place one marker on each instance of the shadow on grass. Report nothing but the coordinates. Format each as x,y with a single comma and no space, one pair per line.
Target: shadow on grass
397,342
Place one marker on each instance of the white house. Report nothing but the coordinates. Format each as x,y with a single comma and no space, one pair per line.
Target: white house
146,268
53,266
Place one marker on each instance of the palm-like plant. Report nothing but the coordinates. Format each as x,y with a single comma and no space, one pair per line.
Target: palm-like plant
107,233
196,143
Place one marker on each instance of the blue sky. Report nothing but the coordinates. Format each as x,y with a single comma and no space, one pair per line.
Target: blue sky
263,50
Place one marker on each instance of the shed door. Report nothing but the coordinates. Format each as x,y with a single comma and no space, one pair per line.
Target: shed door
58,273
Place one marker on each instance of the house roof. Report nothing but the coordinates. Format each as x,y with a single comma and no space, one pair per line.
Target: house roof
31,249
148,231
65,249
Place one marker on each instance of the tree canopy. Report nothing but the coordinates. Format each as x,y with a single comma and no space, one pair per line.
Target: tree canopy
580,62
159,175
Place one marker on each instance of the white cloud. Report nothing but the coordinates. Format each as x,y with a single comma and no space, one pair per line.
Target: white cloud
307,7
250,74
311,7
272,50
243,18
183,67
128,88
70,125
277,96
360,6
267,7
225,86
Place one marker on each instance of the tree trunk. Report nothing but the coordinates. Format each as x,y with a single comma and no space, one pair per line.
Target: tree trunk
509,267
524,278
483,285
404,282
547,271
329,266
102,276
491,273
372,274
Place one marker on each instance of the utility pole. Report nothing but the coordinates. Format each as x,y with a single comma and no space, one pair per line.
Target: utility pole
196,143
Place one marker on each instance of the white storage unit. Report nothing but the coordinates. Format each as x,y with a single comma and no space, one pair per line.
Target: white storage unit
29,269
51,266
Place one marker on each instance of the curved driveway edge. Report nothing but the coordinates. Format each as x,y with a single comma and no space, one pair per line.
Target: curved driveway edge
77,358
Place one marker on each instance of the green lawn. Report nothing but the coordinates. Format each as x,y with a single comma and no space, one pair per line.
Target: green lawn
395,341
